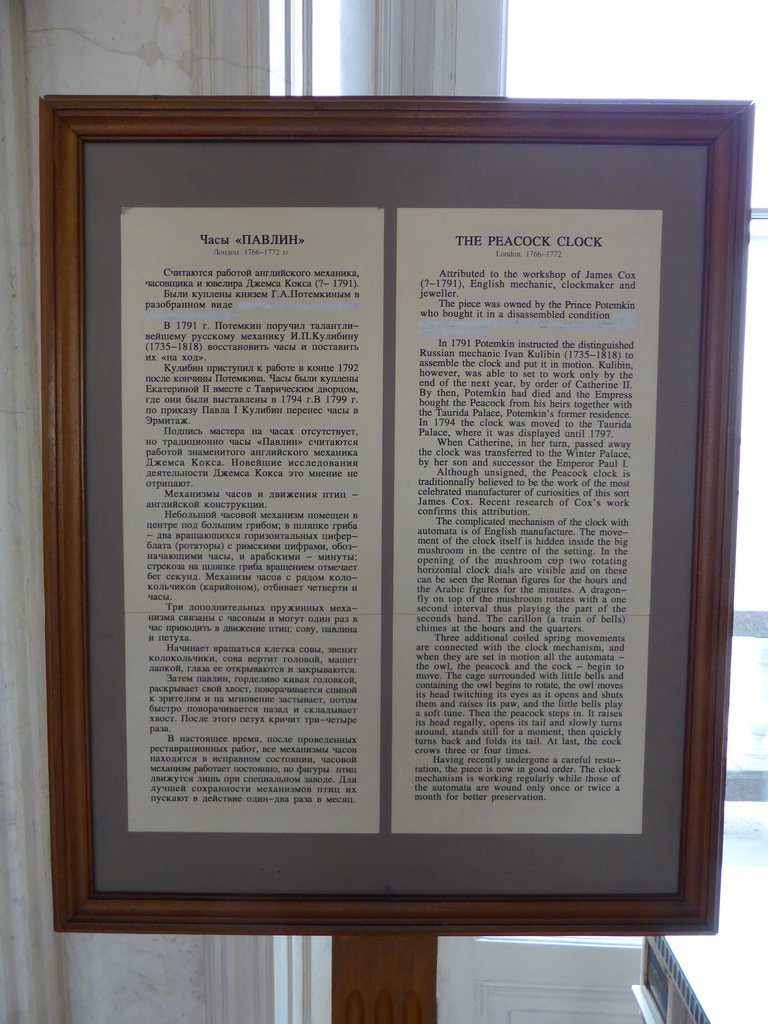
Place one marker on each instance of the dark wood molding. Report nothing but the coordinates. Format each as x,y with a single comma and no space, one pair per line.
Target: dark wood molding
384,979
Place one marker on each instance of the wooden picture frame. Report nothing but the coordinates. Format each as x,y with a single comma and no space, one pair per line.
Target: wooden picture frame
694,155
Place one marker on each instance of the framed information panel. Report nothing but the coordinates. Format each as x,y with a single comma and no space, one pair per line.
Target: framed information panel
390,460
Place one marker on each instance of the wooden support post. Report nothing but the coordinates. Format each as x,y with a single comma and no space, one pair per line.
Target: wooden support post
384,979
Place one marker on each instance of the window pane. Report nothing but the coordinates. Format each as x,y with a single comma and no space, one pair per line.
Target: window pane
752,548
326,49
746,810
656,50
277,29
